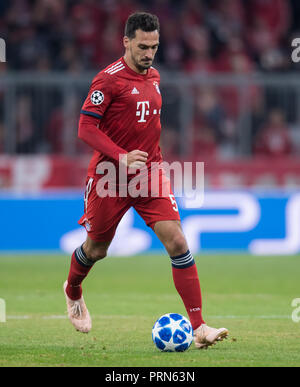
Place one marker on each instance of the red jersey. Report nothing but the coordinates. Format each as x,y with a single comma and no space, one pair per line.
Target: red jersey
128,107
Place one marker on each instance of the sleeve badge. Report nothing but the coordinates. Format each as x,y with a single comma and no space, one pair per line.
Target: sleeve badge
97,97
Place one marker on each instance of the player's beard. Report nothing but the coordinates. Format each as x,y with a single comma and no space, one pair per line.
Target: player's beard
142,66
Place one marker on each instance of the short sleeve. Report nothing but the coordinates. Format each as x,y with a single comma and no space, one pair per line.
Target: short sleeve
99,97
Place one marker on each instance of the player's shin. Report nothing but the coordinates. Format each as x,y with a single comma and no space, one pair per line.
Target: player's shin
79,269
186,281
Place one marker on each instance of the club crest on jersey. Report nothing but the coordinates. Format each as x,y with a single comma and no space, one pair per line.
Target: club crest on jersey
156,86
97,97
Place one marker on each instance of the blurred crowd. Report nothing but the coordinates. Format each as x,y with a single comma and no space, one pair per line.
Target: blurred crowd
197,36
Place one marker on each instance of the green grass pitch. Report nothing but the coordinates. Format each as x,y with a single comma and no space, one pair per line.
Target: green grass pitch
251,296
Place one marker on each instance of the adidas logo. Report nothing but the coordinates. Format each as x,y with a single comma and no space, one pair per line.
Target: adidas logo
135,91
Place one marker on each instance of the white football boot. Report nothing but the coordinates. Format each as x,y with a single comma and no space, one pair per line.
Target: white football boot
78,313
204,336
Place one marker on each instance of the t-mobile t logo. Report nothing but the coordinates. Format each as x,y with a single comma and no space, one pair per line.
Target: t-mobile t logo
143,112
2,50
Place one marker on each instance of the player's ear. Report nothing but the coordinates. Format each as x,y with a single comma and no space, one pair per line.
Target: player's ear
126,41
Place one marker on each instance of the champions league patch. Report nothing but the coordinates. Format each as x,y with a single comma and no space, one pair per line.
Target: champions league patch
97,97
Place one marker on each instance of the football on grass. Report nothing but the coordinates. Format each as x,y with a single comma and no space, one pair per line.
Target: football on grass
172,332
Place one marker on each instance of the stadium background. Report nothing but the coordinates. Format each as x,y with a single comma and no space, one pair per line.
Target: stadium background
231,100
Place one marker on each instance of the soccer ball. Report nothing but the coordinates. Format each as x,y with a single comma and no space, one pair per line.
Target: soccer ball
172,332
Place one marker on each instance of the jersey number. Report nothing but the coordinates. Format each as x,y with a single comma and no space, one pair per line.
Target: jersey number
173,201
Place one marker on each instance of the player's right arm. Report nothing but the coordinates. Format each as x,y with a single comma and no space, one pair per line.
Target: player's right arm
94,107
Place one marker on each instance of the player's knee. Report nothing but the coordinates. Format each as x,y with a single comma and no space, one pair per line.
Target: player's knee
177,245
95,251
96,254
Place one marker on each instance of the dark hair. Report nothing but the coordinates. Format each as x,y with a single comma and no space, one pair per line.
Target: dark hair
141,21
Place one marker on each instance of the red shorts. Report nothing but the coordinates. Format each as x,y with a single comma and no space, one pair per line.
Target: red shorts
103,214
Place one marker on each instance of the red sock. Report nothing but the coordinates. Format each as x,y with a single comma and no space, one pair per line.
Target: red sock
186,281
80,267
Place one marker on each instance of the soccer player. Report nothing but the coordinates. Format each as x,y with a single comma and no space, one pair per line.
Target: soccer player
120,120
